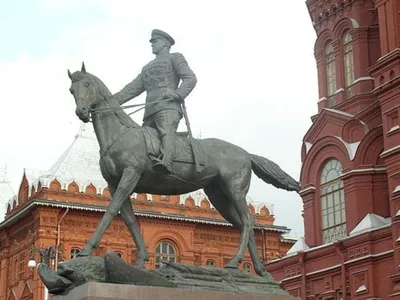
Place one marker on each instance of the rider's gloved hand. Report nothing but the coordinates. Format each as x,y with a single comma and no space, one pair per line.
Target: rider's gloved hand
174,95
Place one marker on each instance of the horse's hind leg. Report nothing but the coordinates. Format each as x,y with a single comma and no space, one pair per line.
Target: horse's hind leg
228,211
129,218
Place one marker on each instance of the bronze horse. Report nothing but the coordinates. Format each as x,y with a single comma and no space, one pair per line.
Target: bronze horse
127,168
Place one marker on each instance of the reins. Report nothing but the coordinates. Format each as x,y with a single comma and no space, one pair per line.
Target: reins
99,110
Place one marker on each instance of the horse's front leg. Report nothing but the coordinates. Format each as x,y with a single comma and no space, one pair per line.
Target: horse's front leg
127,183
130,220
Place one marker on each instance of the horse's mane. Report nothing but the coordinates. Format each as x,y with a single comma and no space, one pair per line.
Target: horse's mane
108,97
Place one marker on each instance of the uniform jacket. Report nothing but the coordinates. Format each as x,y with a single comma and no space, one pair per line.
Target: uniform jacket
159,78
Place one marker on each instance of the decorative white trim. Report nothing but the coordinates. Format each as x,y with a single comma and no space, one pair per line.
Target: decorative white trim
339,91
359,79
361,288
290,278
387,54
138,213
354,22
396,189
321,99
308,146
368,256
351,147
390,150
394,128
338,265
324,270
339,112
309,188
365,170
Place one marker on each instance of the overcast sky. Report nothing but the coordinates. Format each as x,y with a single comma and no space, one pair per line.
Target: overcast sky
257,82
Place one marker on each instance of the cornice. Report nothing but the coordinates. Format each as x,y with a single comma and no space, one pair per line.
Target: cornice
360,98
383,63
378,234
393,83
307,190
96,208
370,257
356,173
390,152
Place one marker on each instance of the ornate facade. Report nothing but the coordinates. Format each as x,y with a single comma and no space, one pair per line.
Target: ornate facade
61,207
350,173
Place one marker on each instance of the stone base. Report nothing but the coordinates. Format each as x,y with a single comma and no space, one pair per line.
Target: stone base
109,291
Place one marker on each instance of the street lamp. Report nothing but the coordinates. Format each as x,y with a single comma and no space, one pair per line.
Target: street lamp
47,255
32,263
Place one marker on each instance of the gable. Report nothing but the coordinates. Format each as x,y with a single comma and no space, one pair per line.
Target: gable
329,122
27,292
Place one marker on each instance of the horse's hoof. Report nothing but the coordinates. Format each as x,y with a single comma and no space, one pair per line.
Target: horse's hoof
231,265
259,272
140,264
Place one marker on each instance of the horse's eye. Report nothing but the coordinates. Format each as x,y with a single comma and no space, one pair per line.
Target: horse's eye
86,84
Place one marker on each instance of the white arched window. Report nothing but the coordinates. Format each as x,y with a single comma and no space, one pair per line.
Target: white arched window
332,202
348,63
165,251
330,74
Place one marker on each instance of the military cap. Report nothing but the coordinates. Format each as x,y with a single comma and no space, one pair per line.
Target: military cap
156,33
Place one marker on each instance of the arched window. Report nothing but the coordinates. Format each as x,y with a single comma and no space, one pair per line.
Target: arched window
165,251
210,263
348,63
330,74
75,252
332,202
247,267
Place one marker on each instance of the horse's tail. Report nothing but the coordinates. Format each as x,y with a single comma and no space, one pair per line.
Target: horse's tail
271,173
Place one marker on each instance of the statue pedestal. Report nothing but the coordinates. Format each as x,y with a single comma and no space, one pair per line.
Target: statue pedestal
110,291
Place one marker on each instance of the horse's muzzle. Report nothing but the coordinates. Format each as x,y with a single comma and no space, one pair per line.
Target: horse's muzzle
83,114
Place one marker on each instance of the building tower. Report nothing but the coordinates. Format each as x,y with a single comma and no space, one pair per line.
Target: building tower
350,173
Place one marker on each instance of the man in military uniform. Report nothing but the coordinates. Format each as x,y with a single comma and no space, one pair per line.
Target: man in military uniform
160,78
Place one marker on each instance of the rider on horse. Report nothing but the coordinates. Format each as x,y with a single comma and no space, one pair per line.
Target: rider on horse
160,78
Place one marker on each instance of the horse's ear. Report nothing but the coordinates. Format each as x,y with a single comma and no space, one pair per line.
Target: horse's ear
69,74
83,69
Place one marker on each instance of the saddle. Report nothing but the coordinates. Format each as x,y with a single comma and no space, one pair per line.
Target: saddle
183,149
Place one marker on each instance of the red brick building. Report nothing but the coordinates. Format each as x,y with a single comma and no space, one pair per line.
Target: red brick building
350,174
62,206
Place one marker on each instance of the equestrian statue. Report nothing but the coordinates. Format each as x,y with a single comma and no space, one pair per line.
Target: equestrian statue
155,159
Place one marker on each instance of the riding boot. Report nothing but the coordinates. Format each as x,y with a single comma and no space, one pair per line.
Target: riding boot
167,154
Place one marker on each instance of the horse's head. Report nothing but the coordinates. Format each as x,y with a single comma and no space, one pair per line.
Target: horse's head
85,91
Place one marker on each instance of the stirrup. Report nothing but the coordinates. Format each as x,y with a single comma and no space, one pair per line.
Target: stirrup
160,168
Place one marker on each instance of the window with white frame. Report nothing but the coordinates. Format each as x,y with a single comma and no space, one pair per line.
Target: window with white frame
348,63
165,251
330,74
332,202
74,252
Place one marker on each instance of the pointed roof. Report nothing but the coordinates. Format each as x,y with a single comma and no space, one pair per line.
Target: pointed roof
6,193
370,222
300,245
80,161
